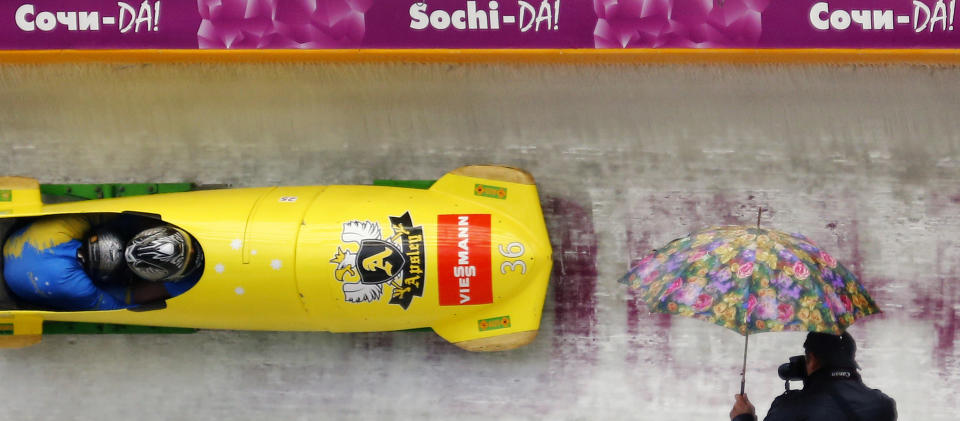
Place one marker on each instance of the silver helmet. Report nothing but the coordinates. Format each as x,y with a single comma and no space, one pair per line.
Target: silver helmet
102,256
163,254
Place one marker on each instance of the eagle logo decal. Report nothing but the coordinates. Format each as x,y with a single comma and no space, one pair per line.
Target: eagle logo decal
368,262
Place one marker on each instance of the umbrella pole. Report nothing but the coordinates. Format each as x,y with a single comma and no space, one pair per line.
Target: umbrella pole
743,373
746,335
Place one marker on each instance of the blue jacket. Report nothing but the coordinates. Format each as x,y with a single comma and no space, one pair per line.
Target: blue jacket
41,267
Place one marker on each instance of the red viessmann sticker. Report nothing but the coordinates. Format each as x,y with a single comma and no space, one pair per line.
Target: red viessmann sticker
463,259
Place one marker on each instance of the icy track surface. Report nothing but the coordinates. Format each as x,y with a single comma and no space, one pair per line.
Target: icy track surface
864,160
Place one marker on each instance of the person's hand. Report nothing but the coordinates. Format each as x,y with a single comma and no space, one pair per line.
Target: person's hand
742,406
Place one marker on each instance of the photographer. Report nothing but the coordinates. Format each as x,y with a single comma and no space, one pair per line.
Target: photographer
832,389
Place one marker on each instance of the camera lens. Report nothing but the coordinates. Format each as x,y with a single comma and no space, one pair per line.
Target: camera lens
793,370
784,371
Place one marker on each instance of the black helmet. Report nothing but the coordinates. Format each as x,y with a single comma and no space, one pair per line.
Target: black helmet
102,256
163,254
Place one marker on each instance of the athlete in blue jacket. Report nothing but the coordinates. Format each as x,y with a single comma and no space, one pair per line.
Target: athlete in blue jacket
58,263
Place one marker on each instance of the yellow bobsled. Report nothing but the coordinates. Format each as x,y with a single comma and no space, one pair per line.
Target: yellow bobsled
469,257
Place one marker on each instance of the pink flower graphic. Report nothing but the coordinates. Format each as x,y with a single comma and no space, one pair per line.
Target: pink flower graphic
828,259
847,304
751,304
767,309
800,270
785,312
282,23
745,270
835,303
651,277
677,23
697,256
688,294
704,301
673,287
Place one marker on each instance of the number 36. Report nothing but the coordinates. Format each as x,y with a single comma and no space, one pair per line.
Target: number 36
513,251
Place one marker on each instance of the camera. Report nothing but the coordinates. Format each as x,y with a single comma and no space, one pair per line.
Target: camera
795,369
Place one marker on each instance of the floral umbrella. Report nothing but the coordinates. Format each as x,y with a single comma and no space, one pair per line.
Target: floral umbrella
751,280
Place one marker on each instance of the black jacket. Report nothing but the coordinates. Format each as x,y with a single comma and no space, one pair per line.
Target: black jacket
831,395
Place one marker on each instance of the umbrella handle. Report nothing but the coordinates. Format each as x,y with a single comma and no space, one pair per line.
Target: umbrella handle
743,372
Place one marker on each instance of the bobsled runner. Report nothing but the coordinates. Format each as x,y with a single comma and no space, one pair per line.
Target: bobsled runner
468,257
